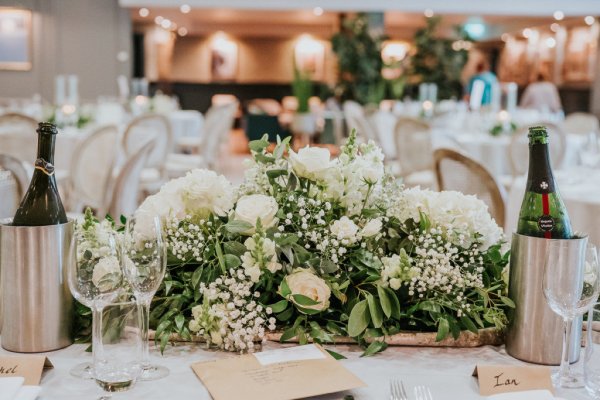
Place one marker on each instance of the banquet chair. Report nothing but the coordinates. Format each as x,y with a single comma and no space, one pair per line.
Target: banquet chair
414,150
92,167
519,148
123,197
580,123
14,181
18,136
157,127
456,171
217,126
357,118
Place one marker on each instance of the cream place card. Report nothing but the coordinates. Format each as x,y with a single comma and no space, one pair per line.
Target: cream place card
495,379
282,374
28,367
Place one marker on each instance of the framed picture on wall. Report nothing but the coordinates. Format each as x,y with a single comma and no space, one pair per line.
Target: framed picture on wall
224,59
15,39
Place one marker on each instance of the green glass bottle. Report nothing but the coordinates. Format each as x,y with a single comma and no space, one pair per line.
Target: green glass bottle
41,205
543,213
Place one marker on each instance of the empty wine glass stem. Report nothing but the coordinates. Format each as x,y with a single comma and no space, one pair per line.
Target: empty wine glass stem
145,323
96,333
565,365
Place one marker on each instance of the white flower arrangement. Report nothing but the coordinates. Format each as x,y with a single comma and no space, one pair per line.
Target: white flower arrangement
318,247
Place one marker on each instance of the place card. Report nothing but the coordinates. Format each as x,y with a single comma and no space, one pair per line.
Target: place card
495,379
283,374
28,367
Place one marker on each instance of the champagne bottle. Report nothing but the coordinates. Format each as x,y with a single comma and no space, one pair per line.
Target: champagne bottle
543,213
41,205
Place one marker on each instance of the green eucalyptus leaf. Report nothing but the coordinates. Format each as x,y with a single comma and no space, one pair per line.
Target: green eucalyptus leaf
386,304
179,321
359,319
443,329
232,261
288,334
335,355
235,248
302,300
375,310
237,226
374,348
280,306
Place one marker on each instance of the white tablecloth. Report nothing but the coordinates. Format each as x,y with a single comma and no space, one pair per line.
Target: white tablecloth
186,123
580,191
446,371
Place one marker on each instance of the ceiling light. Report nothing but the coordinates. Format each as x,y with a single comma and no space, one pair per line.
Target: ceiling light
144,12
526,33
554,27
559,15
166,23
182,31
159,19
185,8
551,42
589,20
428,13
318,11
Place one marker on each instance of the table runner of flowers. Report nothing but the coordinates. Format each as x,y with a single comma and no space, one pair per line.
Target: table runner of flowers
319,248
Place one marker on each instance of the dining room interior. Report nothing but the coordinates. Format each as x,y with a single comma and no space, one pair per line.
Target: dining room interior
357,175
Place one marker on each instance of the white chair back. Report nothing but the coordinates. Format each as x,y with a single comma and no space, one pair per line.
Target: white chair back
92,166
14,181
414,147
147,126
518,150
456,171
124,198
18,136
356,118
580,123
218,123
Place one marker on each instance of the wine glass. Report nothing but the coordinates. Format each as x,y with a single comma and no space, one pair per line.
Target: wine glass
571,285
95,279
119,367
144,263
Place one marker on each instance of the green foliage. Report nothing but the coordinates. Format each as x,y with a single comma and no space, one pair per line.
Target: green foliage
435,61
301,89
359,62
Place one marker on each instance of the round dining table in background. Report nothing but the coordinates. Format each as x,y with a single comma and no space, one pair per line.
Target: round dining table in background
580,190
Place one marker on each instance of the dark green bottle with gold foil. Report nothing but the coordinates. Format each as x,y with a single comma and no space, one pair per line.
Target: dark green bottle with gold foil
543,213
41,205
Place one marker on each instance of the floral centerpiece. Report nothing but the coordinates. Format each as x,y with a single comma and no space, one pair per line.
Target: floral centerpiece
317,248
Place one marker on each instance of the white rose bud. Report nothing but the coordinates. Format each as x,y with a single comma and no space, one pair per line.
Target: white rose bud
310,162
107,273
308,284
257,206
372,228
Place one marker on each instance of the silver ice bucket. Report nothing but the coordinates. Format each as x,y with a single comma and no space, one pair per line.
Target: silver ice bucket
535,332
37,307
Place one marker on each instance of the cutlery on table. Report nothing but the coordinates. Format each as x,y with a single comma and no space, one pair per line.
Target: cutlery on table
397,390
423,393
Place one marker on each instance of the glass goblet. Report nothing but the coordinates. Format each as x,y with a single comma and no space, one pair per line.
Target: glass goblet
571,284
95,279
144,260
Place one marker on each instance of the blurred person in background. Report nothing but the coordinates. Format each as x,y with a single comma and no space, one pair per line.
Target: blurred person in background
483,74
542,95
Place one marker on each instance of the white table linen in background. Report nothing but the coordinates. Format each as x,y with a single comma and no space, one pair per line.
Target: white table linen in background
186,124
580,191
447,371
9,201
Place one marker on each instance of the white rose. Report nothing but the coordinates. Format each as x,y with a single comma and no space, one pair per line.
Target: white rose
206,191
310,162
372,228
308,284
344,228
107,273
251,208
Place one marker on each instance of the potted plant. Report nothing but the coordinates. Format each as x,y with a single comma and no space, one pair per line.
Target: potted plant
303,121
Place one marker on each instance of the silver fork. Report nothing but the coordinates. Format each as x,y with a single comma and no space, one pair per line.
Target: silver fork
397,390
423,393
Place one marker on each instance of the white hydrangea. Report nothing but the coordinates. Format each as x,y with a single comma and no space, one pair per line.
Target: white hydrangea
464,218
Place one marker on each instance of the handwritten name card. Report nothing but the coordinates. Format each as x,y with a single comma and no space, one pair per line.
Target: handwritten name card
28,367
495,379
